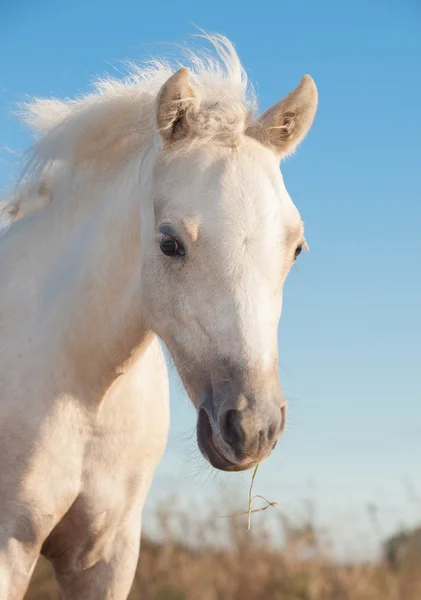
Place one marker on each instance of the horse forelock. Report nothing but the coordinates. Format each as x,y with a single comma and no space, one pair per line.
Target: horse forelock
116,121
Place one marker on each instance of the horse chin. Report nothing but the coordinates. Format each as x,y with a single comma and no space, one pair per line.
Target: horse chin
209,448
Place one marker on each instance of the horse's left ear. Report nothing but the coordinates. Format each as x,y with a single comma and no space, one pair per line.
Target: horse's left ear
284,125
175,99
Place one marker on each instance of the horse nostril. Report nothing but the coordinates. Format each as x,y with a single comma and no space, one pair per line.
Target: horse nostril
231,428
262,439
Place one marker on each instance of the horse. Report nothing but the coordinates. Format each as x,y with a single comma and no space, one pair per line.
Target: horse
151,214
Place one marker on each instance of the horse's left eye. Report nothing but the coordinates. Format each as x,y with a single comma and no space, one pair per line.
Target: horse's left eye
171,247
298,251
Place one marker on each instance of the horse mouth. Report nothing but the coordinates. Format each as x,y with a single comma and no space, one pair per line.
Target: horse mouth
217,450
209,448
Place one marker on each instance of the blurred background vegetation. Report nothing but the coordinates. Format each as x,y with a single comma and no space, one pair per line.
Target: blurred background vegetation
277,560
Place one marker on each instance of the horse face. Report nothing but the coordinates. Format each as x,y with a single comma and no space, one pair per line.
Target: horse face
225,235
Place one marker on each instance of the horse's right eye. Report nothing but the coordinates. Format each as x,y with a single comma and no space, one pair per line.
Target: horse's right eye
298,251
171,247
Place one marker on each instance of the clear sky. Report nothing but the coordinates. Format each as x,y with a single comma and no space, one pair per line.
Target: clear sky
351,327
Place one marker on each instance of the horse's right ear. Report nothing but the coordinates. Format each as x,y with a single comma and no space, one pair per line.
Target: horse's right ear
174,99
284,125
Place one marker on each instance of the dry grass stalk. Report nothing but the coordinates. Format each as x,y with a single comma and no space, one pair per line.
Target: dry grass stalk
251,510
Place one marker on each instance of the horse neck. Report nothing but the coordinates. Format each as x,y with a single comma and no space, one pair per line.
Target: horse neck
104,326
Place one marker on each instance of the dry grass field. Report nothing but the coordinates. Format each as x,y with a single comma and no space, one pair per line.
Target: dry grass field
252,567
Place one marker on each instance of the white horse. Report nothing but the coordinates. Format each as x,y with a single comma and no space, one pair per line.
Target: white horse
159,211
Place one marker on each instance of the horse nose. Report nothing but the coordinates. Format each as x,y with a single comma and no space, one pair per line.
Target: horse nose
231,428
245,438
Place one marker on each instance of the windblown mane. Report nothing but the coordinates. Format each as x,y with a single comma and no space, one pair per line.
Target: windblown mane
117,119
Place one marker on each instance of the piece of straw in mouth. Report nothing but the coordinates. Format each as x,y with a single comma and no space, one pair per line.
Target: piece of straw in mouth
251,510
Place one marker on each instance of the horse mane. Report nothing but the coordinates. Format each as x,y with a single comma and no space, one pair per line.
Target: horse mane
116,120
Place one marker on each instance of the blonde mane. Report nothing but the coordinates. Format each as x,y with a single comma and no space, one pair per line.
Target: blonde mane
116,121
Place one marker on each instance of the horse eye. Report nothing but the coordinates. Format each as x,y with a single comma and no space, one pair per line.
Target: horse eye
298,251
171,247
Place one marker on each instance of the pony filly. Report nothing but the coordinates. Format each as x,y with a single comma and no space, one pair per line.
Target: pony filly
152,208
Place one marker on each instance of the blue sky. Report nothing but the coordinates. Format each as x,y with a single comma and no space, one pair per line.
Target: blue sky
351,326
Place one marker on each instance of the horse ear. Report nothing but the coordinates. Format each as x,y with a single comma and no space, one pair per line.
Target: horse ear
174,99
284,125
